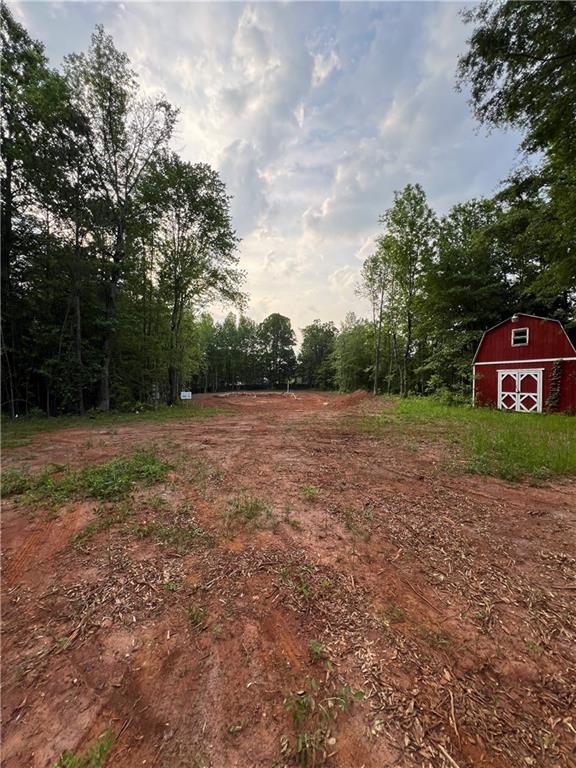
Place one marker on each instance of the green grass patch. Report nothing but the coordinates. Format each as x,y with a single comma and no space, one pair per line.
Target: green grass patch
106,518
94,757
247,512
17,432
512,446
111,481
311,492
174,535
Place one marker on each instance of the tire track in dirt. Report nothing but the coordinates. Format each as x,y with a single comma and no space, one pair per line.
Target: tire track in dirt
49,536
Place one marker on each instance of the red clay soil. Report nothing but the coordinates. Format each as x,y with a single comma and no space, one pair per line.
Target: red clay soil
448,600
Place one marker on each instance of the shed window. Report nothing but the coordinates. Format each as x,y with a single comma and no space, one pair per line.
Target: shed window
519,337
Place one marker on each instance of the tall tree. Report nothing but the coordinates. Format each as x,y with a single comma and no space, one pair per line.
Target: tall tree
315,360
35,107
196,246
521,70
465,289
277,341
352,354
375,281
126,134
406,247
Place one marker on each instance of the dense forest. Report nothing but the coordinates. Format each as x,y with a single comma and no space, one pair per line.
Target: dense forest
112,245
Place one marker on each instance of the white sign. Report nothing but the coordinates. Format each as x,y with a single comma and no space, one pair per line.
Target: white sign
185,395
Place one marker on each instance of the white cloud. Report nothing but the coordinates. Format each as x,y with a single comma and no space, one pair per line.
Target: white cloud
314,113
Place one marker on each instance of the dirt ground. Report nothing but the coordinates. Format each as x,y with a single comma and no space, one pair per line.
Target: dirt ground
448,600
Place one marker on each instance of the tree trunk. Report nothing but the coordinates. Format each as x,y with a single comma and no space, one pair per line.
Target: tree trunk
6,293
378,344
172,385
109,309
78,319
110,312
78,344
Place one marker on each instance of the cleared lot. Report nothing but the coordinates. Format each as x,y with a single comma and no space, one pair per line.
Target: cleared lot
276,585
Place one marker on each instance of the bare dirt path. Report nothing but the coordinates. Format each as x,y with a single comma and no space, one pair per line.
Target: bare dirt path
330,562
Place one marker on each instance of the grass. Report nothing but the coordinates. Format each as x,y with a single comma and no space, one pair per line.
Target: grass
174,535
435,638
17,432
106,519
111,481
512,446
94,757
316,650
247,512
196,616
314,711
310,492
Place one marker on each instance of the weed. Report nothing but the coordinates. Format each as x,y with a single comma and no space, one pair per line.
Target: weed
313,715
117,478
94,757
355,528
300,705
172,586
310,492
196,616
297,580
218,631
533,647
436,639
316,650
111,481
106,518
289,520
392,614
157,502
248,512
174,535
14,482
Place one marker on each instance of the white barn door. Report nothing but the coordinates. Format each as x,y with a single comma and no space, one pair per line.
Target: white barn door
520,390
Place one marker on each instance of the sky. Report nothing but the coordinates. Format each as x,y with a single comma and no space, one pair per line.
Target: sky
313,113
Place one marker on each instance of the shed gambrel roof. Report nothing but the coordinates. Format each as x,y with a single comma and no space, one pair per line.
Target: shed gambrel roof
519,315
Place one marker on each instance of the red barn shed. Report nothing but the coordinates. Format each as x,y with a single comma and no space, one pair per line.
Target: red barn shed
527,364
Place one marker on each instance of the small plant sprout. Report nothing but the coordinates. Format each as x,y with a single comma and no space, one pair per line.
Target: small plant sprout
311,492
316,651
94,757
196,616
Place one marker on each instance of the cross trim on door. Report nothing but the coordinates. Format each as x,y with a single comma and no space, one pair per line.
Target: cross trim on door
510,395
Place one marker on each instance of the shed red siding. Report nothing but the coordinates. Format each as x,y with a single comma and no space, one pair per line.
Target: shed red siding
547,343
546,339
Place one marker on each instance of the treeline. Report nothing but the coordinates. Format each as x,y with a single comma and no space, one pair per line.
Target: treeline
436,283
110,242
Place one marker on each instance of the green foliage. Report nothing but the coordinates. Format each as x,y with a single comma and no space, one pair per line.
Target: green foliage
14,482
175,535
315,364
521,70
95,757
277,338
248,512
196,616
316,650
111,481
310,492
313,713
352,355
107,517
